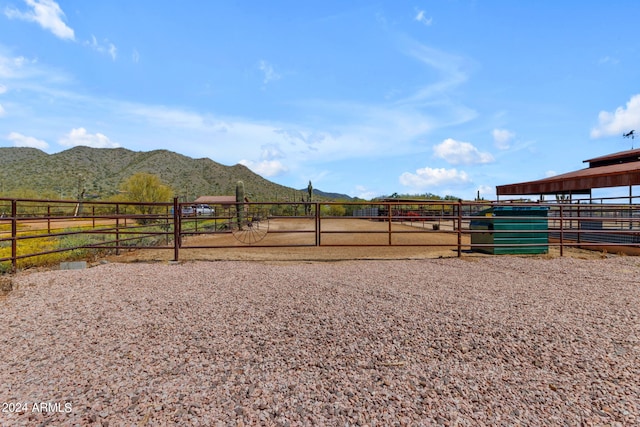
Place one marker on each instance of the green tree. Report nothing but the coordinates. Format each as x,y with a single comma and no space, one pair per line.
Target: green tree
145,188
333,210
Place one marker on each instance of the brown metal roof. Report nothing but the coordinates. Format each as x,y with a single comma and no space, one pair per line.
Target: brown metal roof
628,155
581,181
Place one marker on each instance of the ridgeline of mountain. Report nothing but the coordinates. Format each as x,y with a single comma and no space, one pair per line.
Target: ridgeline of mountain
323,195
101,171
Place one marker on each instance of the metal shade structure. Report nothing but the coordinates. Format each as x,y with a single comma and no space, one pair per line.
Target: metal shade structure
614,170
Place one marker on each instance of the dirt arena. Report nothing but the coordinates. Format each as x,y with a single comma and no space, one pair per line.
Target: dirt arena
339,246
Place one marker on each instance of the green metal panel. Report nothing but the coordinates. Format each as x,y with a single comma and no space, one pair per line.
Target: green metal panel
503,227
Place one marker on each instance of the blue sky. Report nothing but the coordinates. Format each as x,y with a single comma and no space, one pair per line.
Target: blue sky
364,98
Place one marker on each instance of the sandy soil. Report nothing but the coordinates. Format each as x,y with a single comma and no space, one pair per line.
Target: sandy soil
300,232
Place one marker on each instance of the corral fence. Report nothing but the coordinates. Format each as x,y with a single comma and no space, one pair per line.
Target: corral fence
36,232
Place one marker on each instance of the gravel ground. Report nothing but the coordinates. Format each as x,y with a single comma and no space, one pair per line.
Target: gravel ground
460,342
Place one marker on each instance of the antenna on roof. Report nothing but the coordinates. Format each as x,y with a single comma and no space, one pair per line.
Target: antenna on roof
631,135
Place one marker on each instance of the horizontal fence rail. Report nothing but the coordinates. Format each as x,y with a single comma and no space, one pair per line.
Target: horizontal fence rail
46,231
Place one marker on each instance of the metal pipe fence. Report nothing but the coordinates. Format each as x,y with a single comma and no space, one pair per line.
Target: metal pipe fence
34,231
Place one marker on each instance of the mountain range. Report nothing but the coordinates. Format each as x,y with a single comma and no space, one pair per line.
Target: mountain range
99,172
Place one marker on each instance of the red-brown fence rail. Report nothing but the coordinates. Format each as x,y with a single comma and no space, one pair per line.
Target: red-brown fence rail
45,231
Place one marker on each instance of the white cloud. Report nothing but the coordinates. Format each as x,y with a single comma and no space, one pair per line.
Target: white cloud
363,192
269,72
456,152
20,140
47,14
426,178
502,138
27,76
107,48
2,111
550,173
229,139
608,60
271,152
168,118
620,121
265,168
421,17
3,89
135,56
453,70
80,136
269,164
11,68
112,51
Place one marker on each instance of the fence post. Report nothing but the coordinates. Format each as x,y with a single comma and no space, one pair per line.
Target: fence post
176,228
118,229
48,219
317,204
14,236
166,223
459,228
561,231
389,217
579,229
